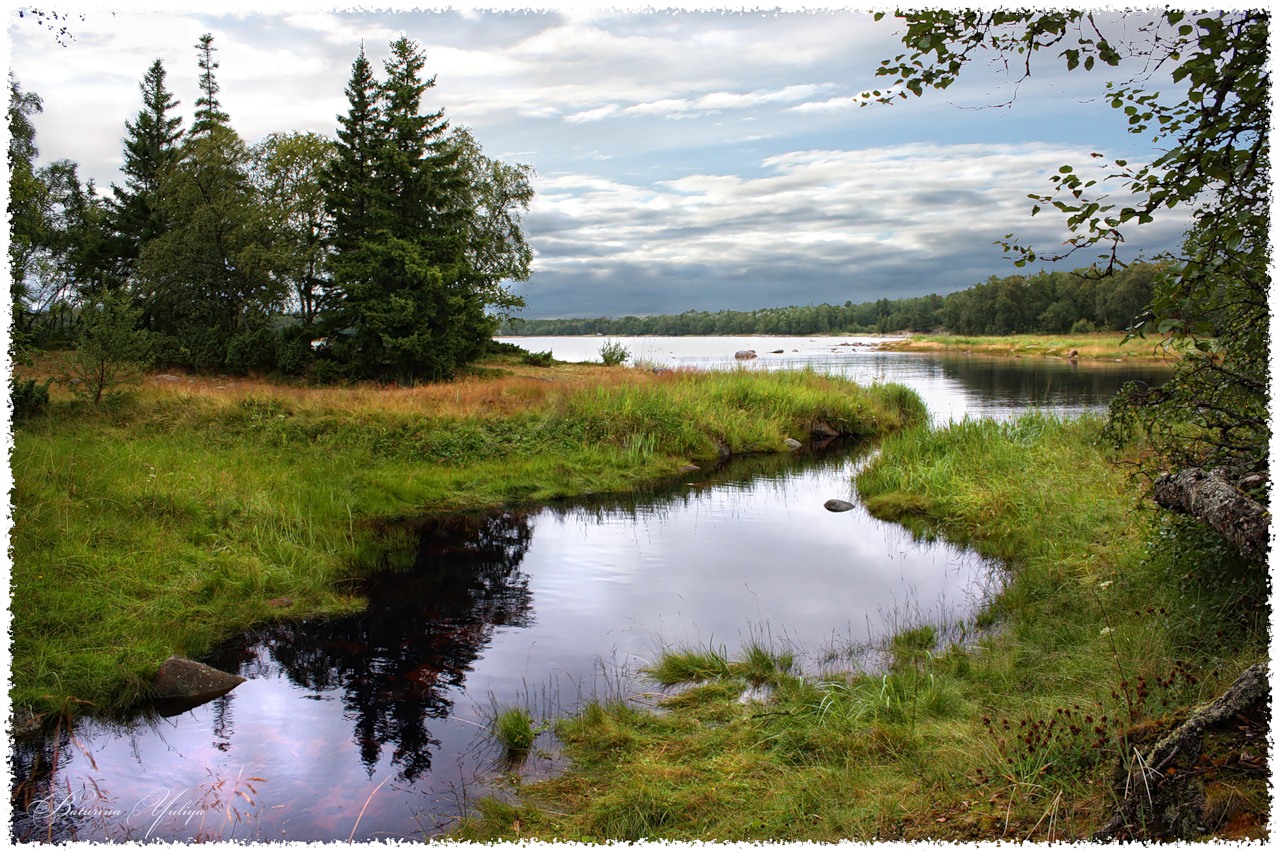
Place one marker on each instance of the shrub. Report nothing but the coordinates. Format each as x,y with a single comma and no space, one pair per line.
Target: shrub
252,351
111,351
614,353
294,354
29,397
537,359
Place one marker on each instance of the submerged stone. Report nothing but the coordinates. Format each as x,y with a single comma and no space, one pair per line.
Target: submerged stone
837,505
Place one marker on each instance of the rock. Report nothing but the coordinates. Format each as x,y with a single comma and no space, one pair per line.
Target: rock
26,724
745,354
792,444
689,469
776,352
837,505
168,377
183,681
822,429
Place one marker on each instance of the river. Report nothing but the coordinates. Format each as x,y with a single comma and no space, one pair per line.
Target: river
372,727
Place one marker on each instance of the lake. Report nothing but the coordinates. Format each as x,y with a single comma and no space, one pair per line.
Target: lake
372,726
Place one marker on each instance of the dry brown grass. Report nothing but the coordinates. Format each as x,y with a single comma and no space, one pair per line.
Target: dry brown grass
520,388
1095,346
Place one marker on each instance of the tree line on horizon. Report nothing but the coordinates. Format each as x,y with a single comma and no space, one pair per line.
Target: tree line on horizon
1047,302
382,252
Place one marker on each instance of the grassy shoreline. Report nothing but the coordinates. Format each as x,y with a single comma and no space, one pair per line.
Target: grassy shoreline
1009,729
197,508
1094,346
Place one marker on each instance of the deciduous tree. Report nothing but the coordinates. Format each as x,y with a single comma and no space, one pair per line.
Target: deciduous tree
1212,125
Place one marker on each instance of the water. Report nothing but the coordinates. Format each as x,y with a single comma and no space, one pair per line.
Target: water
372,726
953,385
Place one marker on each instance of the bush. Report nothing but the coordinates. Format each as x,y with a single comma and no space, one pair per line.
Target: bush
1083,327
111,351
252,351
537,359
504,348
614,353
29,397
294,354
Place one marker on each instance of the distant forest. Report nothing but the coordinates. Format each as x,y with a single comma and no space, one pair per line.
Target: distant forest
1047,302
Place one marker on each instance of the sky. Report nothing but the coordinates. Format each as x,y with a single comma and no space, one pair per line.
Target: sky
684,159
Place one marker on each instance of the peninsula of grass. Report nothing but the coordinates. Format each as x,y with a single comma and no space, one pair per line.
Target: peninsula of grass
1108,624
1092,346
193,509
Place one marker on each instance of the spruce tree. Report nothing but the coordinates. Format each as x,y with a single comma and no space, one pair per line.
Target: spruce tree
412,305
350,194
209,111
207,277
150,151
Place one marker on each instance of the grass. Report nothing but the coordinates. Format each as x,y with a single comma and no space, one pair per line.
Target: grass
166,521
513,729
1110,624
1092,346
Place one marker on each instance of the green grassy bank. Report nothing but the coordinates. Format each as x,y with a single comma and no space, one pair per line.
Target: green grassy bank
1093,346
1111,623
192,510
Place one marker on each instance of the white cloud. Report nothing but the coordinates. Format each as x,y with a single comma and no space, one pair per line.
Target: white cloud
921,200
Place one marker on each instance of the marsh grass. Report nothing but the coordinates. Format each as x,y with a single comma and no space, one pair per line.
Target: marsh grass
1093,346
514,730
1109,625
198,508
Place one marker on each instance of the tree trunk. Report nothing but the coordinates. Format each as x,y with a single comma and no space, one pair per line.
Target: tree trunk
1162,798
1211,497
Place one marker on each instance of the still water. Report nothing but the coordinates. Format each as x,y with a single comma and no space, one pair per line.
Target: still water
372,726
953,385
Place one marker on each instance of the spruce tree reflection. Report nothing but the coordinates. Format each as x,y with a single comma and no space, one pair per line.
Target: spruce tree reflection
396,663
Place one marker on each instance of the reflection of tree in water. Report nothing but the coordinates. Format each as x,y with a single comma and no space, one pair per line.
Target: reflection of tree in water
1040,381
45,807
396,662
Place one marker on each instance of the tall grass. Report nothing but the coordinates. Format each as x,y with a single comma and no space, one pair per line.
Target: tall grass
170,520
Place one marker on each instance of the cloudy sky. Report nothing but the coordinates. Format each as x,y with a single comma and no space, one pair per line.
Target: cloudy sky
686,160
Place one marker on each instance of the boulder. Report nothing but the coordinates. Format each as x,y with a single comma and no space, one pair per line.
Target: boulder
745,354
837,505
187,682
792,444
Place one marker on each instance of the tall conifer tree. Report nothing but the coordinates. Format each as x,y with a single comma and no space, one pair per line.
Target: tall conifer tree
150,151
411,305
209,111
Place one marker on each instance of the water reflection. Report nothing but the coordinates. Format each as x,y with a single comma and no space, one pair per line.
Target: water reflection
400,663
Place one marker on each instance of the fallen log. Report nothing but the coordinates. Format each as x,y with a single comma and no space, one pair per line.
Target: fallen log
1212,497
1161,796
